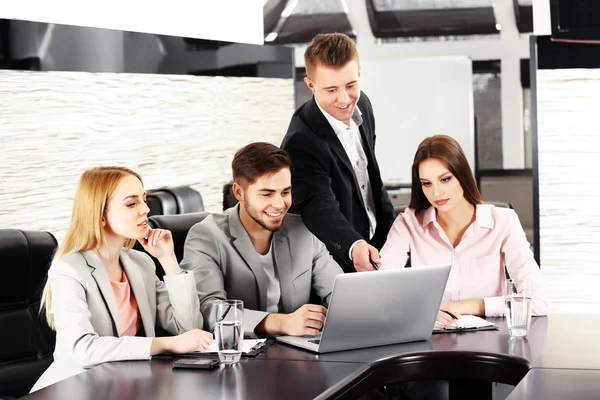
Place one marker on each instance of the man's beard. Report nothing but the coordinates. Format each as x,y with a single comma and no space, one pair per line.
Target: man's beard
258,220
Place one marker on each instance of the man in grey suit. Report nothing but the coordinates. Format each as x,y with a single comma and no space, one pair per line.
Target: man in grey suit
255,253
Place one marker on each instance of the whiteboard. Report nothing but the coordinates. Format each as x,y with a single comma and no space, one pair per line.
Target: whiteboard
414,99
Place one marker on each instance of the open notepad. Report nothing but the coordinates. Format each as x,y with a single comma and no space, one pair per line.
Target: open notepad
468,323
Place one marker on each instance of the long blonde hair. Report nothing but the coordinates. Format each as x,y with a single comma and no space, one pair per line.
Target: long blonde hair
86,231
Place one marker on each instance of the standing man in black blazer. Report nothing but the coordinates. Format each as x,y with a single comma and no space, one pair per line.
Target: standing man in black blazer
336,183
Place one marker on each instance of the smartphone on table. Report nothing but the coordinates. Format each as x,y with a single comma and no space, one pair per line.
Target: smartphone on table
198,363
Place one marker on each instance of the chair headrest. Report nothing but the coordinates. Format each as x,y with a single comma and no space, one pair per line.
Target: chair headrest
161,202
25,257
179,225
174,200
188,200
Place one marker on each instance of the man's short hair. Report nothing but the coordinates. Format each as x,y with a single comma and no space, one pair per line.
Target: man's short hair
333,50
257,159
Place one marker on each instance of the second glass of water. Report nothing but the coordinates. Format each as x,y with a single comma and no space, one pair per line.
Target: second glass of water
229,330
517,299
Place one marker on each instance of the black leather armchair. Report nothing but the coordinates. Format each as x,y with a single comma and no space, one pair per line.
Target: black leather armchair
26,341
175,200
229,199
399,209
179,225
502,204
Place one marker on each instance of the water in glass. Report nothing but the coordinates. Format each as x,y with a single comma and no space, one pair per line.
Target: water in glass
518,314
229,336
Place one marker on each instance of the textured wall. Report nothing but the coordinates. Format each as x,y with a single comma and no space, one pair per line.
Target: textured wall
569,150
173,130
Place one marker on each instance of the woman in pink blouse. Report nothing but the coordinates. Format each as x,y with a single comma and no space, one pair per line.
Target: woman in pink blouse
446,223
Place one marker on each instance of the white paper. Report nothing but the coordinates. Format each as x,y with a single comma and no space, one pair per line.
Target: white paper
246,347
466,322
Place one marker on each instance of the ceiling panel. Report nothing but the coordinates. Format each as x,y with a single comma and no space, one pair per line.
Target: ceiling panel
425,18
310,17
302,28
272,10
524,15
403,5
318,7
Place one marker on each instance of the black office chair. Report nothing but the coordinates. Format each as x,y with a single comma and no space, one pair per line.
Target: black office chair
26,341
399,209
161,202
179,225
500,204
229,199
175,200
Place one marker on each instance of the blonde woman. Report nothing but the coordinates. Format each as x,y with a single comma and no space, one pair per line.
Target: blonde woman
104,299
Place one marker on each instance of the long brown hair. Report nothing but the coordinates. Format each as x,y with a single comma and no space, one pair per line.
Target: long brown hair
85,230
449,152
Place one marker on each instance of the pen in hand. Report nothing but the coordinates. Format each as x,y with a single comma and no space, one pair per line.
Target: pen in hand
222,318
374,265
450,314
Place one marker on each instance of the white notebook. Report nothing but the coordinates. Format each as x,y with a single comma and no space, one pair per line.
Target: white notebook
468,323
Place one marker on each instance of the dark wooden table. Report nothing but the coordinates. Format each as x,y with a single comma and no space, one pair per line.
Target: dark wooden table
558,360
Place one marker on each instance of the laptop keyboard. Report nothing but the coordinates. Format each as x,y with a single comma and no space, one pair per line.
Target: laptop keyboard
315,341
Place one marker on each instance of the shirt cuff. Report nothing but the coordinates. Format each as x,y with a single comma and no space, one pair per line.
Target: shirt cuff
494,306
351,247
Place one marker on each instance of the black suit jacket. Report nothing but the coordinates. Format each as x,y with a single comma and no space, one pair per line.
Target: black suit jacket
324,187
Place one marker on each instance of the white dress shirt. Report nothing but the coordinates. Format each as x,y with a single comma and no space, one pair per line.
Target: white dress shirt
351,141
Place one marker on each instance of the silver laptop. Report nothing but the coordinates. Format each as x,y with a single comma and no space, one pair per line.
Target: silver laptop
378,308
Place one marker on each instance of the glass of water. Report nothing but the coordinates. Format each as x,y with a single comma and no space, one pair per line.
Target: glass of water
517,299
229,331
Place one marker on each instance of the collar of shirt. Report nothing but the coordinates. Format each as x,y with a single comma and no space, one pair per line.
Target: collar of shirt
483,216
337,125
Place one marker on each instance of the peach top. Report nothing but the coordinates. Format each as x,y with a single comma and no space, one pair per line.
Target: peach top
129,316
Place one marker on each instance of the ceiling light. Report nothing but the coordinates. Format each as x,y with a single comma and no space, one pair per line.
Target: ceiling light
271,36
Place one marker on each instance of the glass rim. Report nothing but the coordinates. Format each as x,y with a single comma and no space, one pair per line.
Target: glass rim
232,302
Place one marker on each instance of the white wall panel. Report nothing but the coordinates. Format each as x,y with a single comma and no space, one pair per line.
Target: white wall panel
173,130
569,183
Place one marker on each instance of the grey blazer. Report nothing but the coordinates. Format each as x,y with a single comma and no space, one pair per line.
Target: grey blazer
219,252
86,315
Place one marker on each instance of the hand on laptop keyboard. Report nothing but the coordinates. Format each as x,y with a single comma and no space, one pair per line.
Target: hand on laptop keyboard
305,321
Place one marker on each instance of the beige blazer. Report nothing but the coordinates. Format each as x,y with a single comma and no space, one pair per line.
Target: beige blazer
219,252
86,316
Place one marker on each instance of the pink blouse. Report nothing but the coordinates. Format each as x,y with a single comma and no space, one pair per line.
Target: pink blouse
495,239
129,316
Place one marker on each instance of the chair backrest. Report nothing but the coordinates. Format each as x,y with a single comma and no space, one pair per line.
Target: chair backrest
161,202
175,200
500,204
229,199
179,225
26,341
399,209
